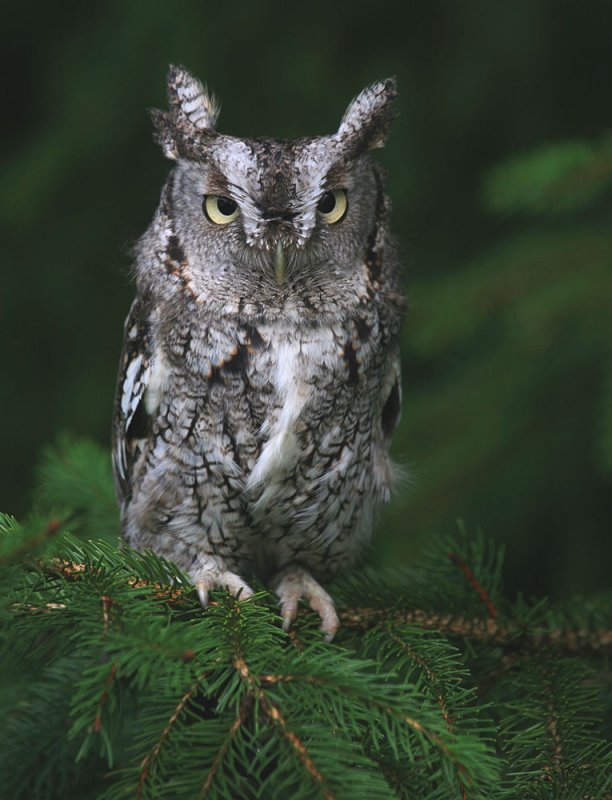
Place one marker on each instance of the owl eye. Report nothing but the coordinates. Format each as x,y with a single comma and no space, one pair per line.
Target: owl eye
332,205
220,210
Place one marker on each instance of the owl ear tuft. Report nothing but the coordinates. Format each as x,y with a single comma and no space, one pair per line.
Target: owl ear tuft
190,100
192,111
367,121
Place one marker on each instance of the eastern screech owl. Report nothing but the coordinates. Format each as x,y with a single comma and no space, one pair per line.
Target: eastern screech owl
259,383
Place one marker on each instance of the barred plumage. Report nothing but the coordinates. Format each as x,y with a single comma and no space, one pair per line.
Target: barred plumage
259,383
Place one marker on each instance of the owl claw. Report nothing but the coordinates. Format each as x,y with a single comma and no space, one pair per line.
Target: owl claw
288,613
221,579
295,583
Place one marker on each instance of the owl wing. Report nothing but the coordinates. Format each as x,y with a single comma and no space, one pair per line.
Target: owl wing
392,400
131,421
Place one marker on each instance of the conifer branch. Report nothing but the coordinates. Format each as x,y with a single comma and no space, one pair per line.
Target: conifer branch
411,722
485,631
471,579
153,754
97,724
51,529
245,708
107,603
428,671
273,712
553,732
391,707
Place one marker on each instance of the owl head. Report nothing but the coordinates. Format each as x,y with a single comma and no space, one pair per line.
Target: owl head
267,211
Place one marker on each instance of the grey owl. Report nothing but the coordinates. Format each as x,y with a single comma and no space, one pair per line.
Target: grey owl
259,382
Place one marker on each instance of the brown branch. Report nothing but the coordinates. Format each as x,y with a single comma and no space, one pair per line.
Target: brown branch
48,532
553,769
245,708
97,724
551,727
485,631
431,676
70,570
407,720
273,712
149,759
553,730
436,688
107,603
286,678
171,594
433,737
295,639
473,581
73,571
30,608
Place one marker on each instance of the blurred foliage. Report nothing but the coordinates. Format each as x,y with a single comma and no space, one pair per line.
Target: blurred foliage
554,180
520,341
508,377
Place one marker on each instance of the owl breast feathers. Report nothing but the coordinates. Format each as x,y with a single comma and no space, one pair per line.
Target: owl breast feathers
259,382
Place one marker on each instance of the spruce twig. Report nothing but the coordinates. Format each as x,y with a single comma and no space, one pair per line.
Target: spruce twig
51,529
220,703
245,709
484,630
472,580
153,754
274,713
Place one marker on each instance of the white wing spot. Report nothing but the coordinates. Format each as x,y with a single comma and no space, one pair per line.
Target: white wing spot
157,383
281,450
131,375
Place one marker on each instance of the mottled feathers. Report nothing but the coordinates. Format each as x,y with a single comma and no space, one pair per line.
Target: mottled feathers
259,383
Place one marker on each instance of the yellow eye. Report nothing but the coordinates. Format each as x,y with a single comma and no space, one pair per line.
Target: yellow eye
332,205
220,210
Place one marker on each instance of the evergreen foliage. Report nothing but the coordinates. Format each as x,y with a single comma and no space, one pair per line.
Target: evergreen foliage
555,179
513,424
115,684
118,685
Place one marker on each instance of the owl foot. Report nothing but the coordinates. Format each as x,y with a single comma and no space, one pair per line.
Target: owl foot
294,583
215,578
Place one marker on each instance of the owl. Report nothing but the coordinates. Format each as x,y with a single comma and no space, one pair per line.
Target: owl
259,383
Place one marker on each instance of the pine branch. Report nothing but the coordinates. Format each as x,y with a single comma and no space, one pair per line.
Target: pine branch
97,724
472,580
51,529
274,713
154,753
244,712
486,630
438,688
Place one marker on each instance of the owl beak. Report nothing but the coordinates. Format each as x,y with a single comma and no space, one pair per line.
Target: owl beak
279,264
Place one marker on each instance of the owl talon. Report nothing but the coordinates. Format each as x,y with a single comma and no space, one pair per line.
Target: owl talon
295,583
221,579
288,613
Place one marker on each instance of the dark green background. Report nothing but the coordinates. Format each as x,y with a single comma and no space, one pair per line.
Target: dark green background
480,80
